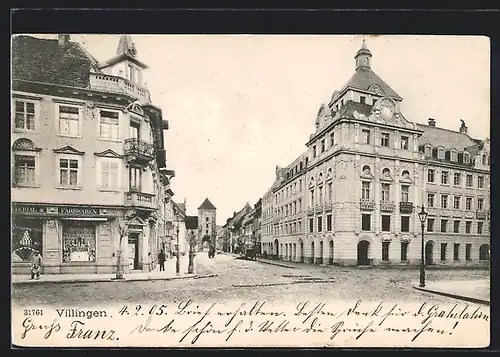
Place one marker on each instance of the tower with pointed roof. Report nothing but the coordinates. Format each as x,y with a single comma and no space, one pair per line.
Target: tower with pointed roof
207,218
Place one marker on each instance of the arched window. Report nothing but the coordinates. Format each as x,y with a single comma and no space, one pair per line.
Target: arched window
207,219
405,174
484,252
386,172
366,170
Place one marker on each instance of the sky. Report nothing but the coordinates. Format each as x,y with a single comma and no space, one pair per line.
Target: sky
238,105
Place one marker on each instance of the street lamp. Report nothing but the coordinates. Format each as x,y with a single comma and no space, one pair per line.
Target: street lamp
422,215
177,263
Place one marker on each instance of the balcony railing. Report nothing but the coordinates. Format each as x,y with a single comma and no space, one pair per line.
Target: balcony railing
119,85
328,206
387,206
367,205
140,200
138,150
406,207
481,214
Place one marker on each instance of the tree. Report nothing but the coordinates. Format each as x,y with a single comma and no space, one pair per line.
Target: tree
122,229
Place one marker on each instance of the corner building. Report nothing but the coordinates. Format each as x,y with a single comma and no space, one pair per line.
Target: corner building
367,172
88,159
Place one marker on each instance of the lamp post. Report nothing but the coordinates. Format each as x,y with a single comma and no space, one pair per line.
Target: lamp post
422,215
177,263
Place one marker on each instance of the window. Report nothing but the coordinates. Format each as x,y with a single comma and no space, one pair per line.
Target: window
468,248
468,181
68,172
311,225
109,173
430,199
479,227
428,151
404,251
444,177
456,251
457,178
323,146
332,139
365,133
466,158
135,175
444,201
405,143
405,193
454,156
79,241
320,224
440,153
330,196
366,222
69,120
468,203
329,223
385,251
374,100
362,99
430,175
480,182
444,224
108,128
384,140
456,202
365,190
443,251
300,185
456,226
484,252
320,194
430,225
468,225
24,115
26,236
480,204
25,173
386,223
405,224
312,198
385,192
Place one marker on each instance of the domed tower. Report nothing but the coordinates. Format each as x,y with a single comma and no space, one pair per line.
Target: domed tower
363,56
207,214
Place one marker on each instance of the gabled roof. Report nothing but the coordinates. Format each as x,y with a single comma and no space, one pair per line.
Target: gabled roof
446,138
44,60
207,204
364,77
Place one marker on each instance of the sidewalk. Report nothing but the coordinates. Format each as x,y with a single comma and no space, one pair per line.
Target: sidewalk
477,291
168,274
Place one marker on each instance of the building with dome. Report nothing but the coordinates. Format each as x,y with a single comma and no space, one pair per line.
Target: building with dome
88,159
353,196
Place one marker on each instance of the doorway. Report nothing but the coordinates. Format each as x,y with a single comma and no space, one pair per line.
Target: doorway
133,251
276,248
330,262
429,252
301,250
363,249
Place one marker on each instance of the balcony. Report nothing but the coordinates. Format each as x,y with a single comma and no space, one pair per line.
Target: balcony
328,207
140,200
366,205
138,151
481,215
318,208
406,207
118,85
387,206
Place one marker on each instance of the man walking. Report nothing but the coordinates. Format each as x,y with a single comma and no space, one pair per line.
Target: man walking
161,259
36,265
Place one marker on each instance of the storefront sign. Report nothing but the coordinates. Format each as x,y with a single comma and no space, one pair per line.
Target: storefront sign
26,209
57,211
78,211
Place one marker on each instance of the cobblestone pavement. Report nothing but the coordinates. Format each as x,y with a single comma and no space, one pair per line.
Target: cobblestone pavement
242,279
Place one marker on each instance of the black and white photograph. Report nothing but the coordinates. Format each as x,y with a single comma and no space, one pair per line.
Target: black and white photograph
227,191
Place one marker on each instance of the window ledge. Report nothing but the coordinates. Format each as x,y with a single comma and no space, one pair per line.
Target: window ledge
69,187
25,186
24,131
70,136
108,190
110,140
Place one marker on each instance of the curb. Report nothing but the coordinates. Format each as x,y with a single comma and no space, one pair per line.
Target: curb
277,264
455,296
112,280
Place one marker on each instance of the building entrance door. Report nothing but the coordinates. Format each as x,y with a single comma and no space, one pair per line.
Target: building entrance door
363,248
133,251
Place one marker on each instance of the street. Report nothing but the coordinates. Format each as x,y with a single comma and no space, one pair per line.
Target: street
242,279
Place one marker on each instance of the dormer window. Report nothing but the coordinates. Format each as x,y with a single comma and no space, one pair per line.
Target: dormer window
384,140
323,146
466,158
483,160
454,156
441,153
405,142
428,150
314,150
362,100
342,103
365,134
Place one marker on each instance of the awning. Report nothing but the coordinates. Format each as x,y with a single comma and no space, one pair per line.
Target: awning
95,219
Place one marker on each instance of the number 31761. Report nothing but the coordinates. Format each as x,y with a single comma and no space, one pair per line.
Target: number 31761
33,312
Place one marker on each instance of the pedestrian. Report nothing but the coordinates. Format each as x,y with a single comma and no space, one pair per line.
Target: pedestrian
36,265
161,259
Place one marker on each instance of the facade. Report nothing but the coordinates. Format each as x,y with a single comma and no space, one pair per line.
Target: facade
207,218
366,174
87,157
180,239
233,230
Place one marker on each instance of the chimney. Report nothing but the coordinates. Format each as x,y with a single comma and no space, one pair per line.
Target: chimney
463,128
63,40
432,122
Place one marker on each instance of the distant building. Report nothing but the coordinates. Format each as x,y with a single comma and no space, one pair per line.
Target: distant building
207,218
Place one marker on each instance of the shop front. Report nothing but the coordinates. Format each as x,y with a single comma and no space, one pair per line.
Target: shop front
71,239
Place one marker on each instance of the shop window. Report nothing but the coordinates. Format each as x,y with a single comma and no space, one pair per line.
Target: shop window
27,236
79,241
